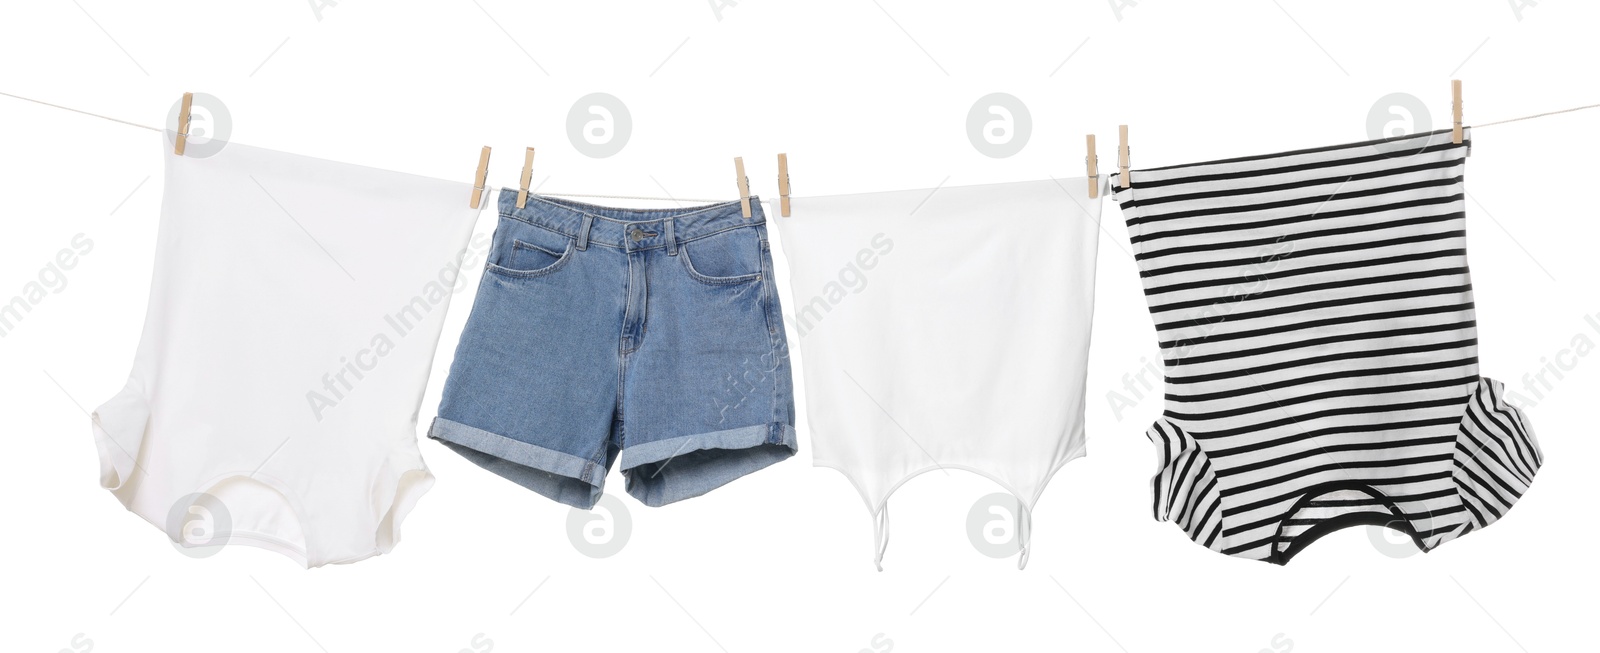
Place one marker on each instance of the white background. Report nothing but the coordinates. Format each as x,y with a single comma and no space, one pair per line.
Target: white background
863,95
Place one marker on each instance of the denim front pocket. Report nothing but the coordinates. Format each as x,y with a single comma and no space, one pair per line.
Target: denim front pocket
531,257
524,250
731,256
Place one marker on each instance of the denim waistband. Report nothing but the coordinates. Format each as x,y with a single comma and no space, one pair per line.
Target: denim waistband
629,229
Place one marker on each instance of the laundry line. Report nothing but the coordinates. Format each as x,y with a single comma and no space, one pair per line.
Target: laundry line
1537,115
578,195
688,199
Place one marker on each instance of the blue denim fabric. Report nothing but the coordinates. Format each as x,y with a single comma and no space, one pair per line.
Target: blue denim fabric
598,333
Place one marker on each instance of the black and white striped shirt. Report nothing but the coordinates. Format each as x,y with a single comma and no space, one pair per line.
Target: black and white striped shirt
1316,319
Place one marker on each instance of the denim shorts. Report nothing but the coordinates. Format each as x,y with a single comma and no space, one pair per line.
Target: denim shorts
597,332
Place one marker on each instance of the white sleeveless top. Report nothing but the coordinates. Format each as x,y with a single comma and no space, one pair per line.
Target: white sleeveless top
294,311
945,329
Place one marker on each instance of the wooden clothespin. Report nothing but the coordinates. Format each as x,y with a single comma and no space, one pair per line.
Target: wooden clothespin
783,184
477,181
1122,156
527,176
744,185
1455,111
183,124
1092,161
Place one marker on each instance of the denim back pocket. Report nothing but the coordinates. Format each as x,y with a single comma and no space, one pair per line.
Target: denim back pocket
524,250
731,256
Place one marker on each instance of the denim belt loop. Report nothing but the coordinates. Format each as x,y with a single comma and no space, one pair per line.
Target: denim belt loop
672,240
583,232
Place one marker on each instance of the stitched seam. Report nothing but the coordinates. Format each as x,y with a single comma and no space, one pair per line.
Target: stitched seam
535,224
529,274
682,240
517,244
769,292
622,417
593,242
688,265
627,314
570,207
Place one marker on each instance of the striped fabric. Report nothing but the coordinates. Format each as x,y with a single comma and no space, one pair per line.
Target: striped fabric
1316,321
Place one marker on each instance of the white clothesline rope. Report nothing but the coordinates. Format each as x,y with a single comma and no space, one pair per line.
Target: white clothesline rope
1537,115
580,195
87,113
687,199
